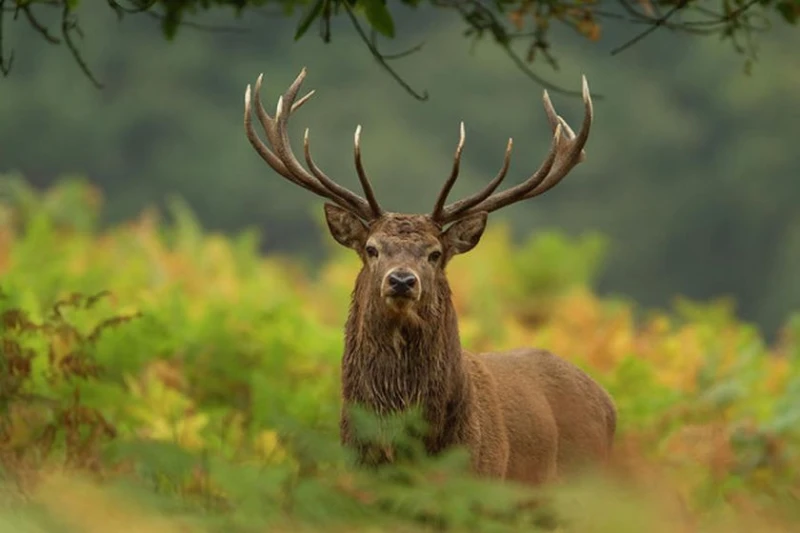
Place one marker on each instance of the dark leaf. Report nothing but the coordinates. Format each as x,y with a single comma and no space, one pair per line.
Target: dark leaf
790,10
379,17
310,16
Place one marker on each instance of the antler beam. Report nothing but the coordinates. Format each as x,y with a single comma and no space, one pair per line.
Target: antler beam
566,151
280,157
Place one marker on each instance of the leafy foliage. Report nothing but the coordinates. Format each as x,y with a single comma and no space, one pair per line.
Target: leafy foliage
504,22
199,390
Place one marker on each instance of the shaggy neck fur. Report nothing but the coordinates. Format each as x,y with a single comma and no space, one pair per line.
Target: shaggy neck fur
394,361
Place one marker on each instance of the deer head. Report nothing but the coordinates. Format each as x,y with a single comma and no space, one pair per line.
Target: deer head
404,255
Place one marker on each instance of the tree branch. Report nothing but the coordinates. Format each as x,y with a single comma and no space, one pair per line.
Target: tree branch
659,22
5,64
382,61
504,21
68,25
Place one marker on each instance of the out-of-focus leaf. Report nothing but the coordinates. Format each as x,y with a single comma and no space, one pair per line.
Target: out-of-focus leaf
378,15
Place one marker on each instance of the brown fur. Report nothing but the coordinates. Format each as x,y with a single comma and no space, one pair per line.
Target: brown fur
524,415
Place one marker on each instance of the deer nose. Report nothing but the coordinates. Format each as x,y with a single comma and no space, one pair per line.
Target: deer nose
402,281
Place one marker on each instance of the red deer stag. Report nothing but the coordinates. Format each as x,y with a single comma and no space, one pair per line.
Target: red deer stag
525,415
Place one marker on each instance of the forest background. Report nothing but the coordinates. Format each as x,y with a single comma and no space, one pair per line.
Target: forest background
690,180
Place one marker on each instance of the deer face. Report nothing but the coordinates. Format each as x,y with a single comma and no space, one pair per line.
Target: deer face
404,256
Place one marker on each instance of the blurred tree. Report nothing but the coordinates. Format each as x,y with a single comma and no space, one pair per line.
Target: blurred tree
691,173
505,22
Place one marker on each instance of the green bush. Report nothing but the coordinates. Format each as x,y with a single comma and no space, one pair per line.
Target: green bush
157,377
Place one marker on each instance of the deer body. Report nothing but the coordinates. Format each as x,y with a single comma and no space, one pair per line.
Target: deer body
524,415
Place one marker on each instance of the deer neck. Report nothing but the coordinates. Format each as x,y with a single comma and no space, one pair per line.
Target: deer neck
391,365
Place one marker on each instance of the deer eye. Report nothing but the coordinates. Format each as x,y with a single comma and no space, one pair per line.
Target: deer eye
434,256
371,251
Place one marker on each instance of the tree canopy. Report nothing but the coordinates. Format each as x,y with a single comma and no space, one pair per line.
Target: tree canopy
521,28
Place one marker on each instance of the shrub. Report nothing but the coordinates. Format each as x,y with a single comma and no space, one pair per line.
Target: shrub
156,375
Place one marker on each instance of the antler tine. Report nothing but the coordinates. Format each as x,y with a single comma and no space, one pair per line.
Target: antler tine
283,161
362,175
438,207
456,208
576,153
268,125
566,151
259,146
352,200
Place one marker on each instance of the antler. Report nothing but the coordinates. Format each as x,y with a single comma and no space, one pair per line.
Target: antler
283,161
566,151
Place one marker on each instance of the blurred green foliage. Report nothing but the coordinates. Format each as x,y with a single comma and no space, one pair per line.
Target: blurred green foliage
157,377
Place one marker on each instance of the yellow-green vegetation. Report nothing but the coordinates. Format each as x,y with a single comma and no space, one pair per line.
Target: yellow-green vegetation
158,378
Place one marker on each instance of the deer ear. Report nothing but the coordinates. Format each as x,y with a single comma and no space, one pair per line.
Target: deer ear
465,234
346,228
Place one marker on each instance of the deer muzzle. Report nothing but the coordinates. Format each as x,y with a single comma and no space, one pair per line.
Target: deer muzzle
401,284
